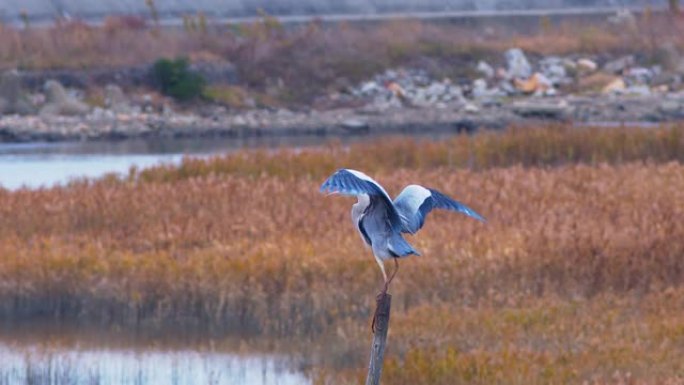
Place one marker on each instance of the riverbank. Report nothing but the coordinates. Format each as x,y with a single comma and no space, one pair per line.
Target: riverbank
469,117
74,81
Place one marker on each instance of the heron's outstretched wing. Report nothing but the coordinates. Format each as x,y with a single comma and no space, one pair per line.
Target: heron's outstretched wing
416,202
352,182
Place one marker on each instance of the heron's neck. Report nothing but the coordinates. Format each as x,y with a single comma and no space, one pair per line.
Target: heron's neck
359,207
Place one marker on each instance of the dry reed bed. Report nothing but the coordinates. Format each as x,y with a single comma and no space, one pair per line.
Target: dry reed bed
605,340
127,41
551,145
273,256
576,276
609,339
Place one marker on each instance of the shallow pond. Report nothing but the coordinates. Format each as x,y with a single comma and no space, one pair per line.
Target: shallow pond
39,364
46,164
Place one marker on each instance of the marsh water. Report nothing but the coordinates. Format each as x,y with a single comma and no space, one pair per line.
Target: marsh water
35,165
39,364
47,353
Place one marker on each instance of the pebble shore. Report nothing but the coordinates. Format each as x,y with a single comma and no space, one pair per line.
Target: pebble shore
452,118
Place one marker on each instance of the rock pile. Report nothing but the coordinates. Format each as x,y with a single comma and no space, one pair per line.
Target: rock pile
59,102
519,76
407,87
512,89
117,102
550,87
517,65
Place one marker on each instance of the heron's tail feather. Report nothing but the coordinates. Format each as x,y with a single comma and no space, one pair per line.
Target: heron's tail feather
401,248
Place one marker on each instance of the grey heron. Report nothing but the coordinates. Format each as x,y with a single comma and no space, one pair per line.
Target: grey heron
381,221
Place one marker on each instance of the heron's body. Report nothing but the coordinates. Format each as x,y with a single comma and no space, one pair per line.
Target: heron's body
381,221
372,222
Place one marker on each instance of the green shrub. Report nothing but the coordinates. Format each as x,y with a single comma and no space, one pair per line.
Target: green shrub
175,79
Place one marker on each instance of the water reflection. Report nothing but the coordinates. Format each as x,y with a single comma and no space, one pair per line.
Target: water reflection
35,364
45,164
162,146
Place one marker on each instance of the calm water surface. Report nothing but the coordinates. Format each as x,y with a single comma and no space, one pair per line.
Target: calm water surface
46,164
36,165
36,364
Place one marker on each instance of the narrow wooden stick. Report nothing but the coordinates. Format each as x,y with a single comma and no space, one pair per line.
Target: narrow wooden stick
381,324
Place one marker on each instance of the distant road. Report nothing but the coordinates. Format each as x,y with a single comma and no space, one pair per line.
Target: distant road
450,15
171,12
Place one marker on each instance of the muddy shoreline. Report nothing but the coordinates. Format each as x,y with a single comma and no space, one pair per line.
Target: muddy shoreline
339,122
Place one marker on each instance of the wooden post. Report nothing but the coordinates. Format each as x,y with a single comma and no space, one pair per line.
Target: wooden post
381,323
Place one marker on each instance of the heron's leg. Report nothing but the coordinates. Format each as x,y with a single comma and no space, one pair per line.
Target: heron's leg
385,288
396,269
382,268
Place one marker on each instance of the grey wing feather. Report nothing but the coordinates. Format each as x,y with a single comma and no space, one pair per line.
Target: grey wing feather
352,182
345,182
442,201
416,202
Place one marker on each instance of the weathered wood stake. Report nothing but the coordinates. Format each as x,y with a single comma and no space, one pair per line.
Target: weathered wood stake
381,323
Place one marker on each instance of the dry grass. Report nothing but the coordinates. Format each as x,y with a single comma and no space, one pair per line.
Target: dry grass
610,339
552,145
295,64
576,277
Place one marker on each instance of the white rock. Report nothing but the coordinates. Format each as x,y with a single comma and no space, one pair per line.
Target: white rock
471,108
641,74
619,65
507,88
101,114
368,87
436,89
587,65
552,68
480,88
518,66
455,93
670,107
60,102
638,90
485,69
284,113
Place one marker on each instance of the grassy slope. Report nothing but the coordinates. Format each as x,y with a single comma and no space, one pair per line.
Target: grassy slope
294,65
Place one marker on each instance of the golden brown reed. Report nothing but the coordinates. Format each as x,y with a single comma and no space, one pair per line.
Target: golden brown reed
131,41
550,145
576,276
